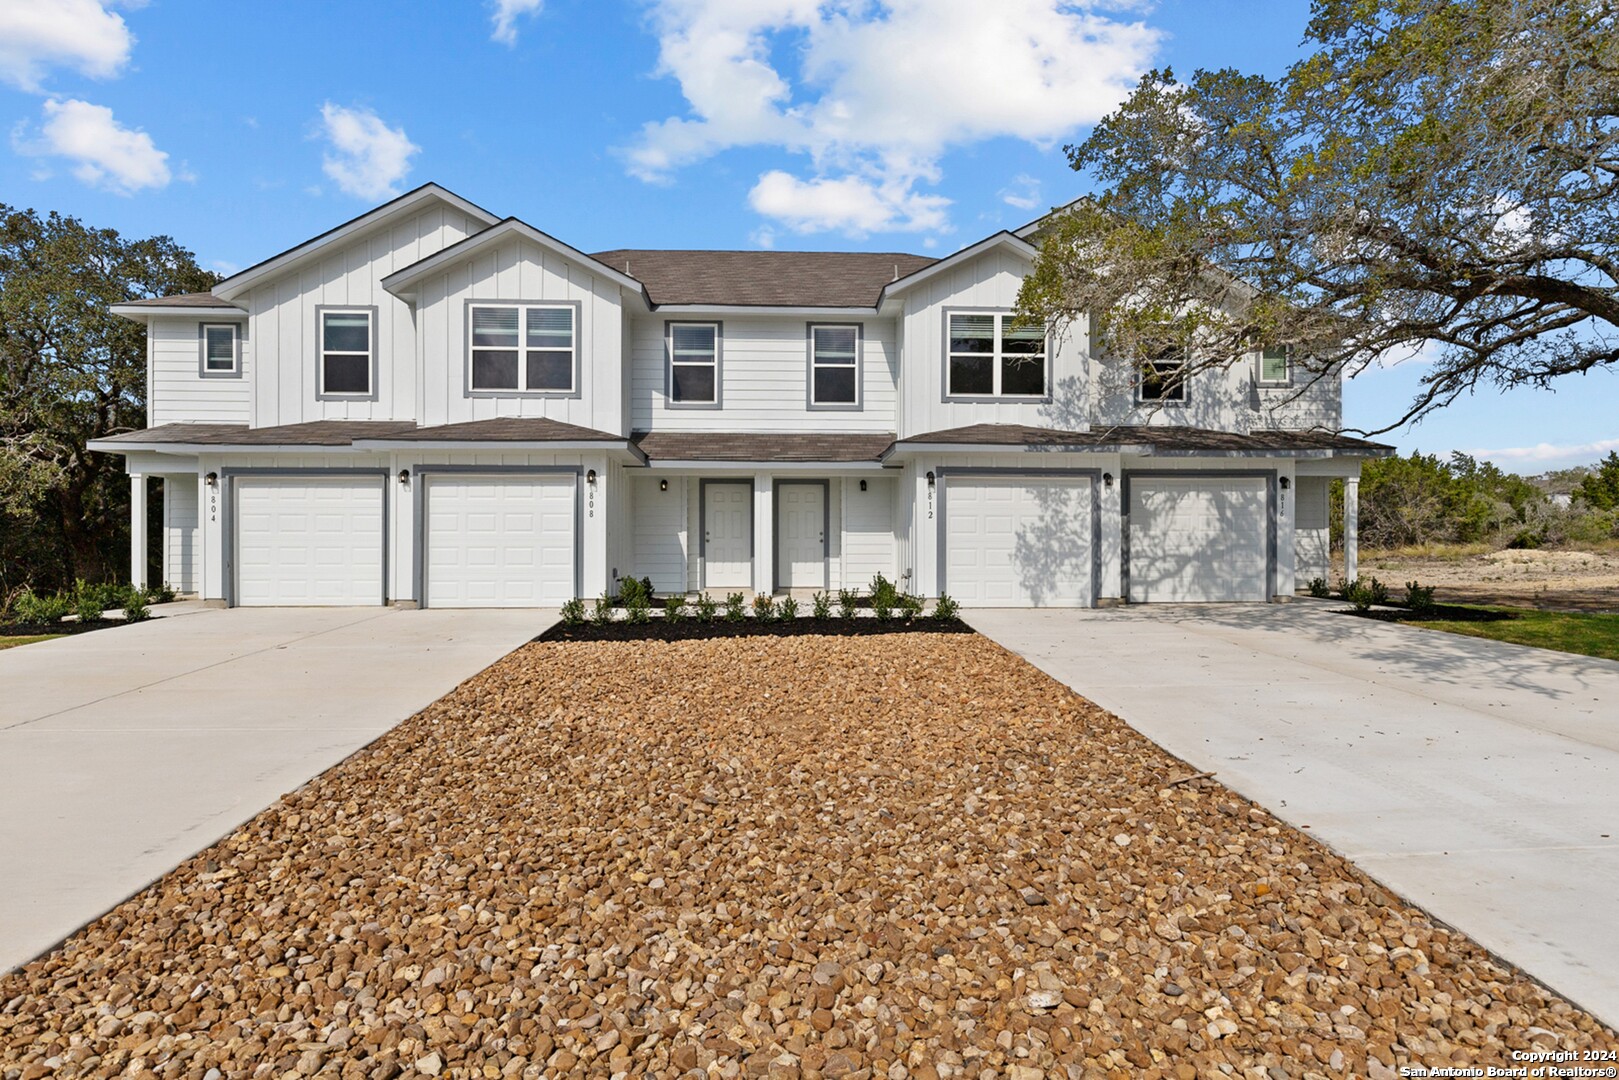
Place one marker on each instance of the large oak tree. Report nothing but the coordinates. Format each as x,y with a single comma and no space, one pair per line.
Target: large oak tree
1436,173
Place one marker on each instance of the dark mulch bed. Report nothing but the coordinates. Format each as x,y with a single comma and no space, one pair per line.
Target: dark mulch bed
656,629
74,627
1440,613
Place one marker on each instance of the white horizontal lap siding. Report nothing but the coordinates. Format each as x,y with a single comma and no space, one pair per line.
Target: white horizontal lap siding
990,283
180,537
764,374
1219,398
286,337
868,532
659,550
178,393
513,271
1311,532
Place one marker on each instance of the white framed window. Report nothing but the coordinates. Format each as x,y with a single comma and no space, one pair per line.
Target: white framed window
987,356
834,365
347,352
1275,366
522,348
220,350
694,363
1162,380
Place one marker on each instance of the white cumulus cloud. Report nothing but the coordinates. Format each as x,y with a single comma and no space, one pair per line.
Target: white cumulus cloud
504,15
82,35
367,158
1022,193
880,92
101,151
1548,452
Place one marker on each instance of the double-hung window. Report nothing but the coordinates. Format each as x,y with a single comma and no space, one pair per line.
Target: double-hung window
522,348
1275,367
694,363
1163,378
834,366
221,352
347,347
989,356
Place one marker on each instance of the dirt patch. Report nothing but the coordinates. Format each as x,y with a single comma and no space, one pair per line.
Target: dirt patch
910,856
1548,580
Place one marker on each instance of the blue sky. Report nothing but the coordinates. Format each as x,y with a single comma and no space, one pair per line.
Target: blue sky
243,129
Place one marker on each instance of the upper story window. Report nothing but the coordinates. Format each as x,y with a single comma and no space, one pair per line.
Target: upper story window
523,348
834,375
1275,366
221,353
347,352
694,363
989,357
1162,379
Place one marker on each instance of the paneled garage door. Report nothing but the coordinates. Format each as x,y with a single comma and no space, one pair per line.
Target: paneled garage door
1018,541
305,542
1198,538
500,541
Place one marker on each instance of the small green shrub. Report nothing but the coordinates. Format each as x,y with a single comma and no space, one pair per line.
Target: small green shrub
631,589
1380,591
788,610
674,608
734,611
764,607
1343,587
848,602
1419,598
30,607
1318,588
160,594
706,608
573,612
821,605
136,607
910,605
882,606
945,608
638,610
884,590
88,605
1360,595
604,608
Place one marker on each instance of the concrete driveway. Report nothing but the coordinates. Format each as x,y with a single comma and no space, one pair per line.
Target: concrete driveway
124,751
1479,780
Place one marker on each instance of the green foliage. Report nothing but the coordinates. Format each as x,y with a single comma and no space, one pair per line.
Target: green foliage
573,612
883,603
1378,590
674,608
1419,598
1318,588
35,608
764,607
638,609
910,605
821,605
88,606
160,594
706,608
789,609
135,606
1344,586
946,609
1600,488
848,603
604,608
1360,595
631,589
884,590
1424,499
735,612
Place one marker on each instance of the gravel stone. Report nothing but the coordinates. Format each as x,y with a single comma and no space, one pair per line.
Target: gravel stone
802,856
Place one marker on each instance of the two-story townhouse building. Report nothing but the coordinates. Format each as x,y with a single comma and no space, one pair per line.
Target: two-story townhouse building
430,405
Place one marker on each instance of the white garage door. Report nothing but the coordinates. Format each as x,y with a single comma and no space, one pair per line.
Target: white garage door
303,542
1018,541
1198,538
500,541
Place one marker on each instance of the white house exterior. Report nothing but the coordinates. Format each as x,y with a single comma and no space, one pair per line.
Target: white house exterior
429,405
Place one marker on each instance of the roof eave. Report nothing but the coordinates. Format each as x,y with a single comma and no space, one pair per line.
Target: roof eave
141,312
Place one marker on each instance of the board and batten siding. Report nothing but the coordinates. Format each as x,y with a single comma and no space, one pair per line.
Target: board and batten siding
764,376
522,270
177,392
988,283
284,330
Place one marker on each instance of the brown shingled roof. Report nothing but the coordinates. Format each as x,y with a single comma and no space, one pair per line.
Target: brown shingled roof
1158,437
776,446
503,429
764,278
190,299
313,433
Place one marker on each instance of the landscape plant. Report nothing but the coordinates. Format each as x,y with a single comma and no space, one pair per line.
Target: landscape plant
706,608
1360,595
910,605
573,612
735,612
945,608
604,608
40,609
674,608
135,607
89,604
821,605
1379,591
848,603
788,610
1318,588
638,609
882,605
1419,598
764,607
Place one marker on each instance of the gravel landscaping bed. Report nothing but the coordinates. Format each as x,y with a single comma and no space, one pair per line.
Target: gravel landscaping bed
907,856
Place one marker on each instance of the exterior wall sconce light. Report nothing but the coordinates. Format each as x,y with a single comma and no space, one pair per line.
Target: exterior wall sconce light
663,485
1285,482
590,477
931,478
212,479
1107,479
404,477
862,485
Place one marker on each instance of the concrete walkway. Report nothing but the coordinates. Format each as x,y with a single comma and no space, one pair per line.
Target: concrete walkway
1480,780
126,750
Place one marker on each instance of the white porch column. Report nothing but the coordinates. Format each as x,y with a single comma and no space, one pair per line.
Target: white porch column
1351,527
137,530
764,535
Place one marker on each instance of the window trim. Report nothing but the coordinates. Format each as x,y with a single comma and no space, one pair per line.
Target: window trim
1286,381
669,401
321,311
859,402
522,323
1185,384
1001,313
203,371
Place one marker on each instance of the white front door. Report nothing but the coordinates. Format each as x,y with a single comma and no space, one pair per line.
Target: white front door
1018,541
308,541
500,541
727,536
1198,538
801,517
